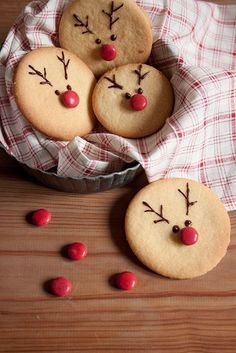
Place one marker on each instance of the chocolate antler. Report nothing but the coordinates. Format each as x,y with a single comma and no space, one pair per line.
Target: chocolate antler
140,75
110,15
188,203
82,24
150,209
62,59
113,80
40,74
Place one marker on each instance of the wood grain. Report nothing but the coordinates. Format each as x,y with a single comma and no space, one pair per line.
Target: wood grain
159,315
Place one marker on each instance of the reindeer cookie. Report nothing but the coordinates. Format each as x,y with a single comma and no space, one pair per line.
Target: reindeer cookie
133,100
105,33
178,228
53,89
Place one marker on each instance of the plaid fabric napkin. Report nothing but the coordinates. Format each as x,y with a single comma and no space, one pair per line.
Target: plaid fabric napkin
195,46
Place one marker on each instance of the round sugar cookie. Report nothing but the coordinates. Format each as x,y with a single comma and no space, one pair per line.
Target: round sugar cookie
53,89
105,33
133,100
178,228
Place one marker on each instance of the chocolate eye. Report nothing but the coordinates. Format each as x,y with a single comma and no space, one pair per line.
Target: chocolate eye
175,229
113,37
69,88
140,90
98,41
187,223
57,93
127,95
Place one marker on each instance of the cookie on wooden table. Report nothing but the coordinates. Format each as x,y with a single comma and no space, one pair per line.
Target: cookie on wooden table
53,89
105,33
178,228
133,100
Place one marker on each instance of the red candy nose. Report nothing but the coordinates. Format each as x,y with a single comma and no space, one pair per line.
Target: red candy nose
189,236
70,99
108,52
138,102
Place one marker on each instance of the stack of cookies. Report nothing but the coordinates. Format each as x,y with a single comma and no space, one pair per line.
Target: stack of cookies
176,227
130,99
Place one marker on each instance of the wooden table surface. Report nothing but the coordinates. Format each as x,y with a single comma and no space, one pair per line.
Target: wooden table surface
159,315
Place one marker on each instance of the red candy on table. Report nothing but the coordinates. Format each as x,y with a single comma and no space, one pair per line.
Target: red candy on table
188,235
77,251
70,99
126,280
108,52
41,217
138,102
60,286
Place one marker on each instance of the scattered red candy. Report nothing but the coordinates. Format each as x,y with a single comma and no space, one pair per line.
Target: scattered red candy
126,280
70,99
41,217
108,52
77,251
189,235
60,286
138,102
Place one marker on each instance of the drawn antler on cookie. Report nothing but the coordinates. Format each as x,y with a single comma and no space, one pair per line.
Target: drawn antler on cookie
82,24
186,196
140,75
150,209
40,74
62,60
111,13
114,83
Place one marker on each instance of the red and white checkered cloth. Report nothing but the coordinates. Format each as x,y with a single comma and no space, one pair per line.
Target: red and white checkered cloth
195,46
